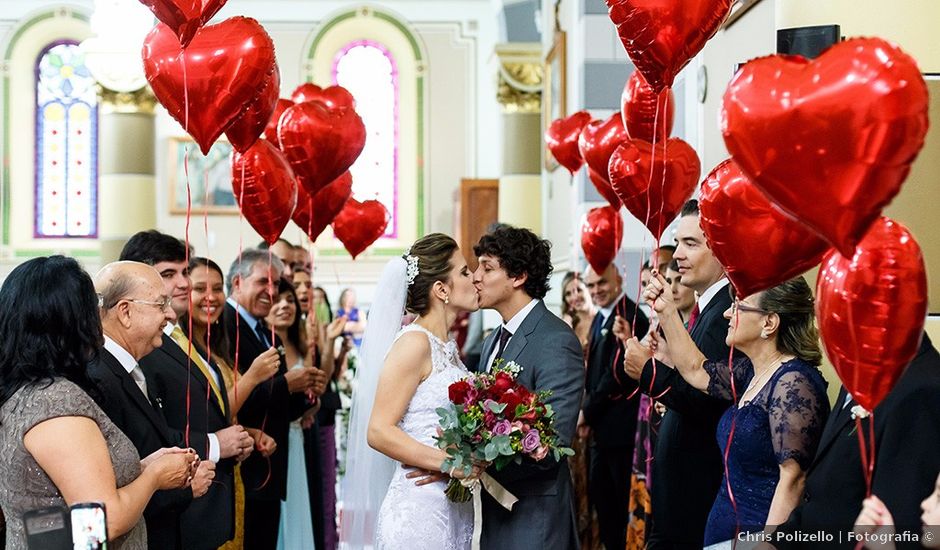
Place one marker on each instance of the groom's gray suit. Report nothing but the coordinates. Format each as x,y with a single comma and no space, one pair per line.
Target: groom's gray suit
551,359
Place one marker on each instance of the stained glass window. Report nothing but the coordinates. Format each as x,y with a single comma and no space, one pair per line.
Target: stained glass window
367,69
66,144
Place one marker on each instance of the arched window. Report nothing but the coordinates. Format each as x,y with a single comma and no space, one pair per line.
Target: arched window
66,144
367,69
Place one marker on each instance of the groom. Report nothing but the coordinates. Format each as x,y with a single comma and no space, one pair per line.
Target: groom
512,279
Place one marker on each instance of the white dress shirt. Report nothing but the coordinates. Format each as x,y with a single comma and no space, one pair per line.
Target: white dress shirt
712,291
512,326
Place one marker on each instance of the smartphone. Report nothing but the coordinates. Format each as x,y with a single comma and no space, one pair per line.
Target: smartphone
89,526
48,529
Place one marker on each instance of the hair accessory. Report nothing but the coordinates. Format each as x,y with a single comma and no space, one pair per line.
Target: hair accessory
412,270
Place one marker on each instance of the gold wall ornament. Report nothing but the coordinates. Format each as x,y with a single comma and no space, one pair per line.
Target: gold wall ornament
519,78
138,101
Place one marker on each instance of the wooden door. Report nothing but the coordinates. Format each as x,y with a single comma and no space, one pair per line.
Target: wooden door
479,208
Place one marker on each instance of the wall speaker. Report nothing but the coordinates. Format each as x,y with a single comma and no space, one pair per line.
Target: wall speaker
807,41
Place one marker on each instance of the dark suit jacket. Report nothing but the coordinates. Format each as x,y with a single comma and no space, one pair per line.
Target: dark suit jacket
551,359
687,464
907,436
607,409
270,408
209,521
146,427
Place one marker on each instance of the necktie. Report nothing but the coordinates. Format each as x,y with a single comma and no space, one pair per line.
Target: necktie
261,331
504,336
138,375
693,316
596,326
183,342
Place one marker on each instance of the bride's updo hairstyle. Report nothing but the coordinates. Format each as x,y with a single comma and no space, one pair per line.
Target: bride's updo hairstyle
433,253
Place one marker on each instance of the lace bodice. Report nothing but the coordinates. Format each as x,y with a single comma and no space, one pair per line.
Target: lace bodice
421,420
423,517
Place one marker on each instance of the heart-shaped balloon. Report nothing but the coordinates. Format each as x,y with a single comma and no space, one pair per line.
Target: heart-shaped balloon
227,65
654,185
601,235
598,141
758,245
331,96
646,113
313,214
871,309
270,131
561,138
184,17
829,141
359,224
320,142
603,187
662,36
245,130
265,189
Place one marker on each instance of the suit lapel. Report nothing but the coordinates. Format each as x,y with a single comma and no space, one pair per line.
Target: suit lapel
716,306
178,355
838,420
488,344
596,341
132,391
518,341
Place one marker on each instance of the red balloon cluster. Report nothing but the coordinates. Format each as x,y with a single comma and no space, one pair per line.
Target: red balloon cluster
758,245
596,143
601,234
829,141
360,224
265,189
662,36
314,213
871,308
647,115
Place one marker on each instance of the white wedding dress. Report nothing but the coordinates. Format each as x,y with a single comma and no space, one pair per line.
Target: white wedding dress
423,517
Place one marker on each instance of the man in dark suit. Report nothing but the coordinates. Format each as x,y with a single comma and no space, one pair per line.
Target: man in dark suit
512,278
177,370
134,309
272,405
610,409
907,434
687,464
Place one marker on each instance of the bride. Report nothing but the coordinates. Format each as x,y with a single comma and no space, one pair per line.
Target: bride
403,379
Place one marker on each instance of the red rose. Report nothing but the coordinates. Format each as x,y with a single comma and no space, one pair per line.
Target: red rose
458,391
512,400
502,383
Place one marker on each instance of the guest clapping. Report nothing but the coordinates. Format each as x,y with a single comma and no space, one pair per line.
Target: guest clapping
59,447
779,415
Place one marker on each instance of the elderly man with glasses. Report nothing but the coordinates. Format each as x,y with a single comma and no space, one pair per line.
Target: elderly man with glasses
134,310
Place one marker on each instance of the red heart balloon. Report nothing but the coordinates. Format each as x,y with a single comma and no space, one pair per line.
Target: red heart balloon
598,141
265,189
662,36
654,185
246,129
562,139
831,140
871,309
359,224
758,245
270,131
332,96
645,113
603,187
313,214
601,235
184,17
320,142
226,67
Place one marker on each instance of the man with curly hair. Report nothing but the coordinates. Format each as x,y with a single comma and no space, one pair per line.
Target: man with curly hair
512,278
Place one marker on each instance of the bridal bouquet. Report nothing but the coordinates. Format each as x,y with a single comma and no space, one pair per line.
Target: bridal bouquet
494,419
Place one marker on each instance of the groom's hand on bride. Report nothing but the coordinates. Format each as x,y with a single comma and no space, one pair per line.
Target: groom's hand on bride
424,477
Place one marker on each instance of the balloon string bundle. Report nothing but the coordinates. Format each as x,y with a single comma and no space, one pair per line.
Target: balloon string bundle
734,422
241,247
264,421
866,453
189,206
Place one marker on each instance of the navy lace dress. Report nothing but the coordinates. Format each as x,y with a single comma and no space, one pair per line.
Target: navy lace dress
784,420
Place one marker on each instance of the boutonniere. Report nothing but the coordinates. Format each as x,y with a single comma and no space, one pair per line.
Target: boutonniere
859,411
604,332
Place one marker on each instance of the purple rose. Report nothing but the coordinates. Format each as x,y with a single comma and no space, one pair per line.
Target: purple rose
503,427
531,441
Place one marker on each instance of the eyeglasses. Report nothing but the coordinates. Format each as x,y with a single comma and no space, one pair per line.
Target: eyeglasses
163,305
741,306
